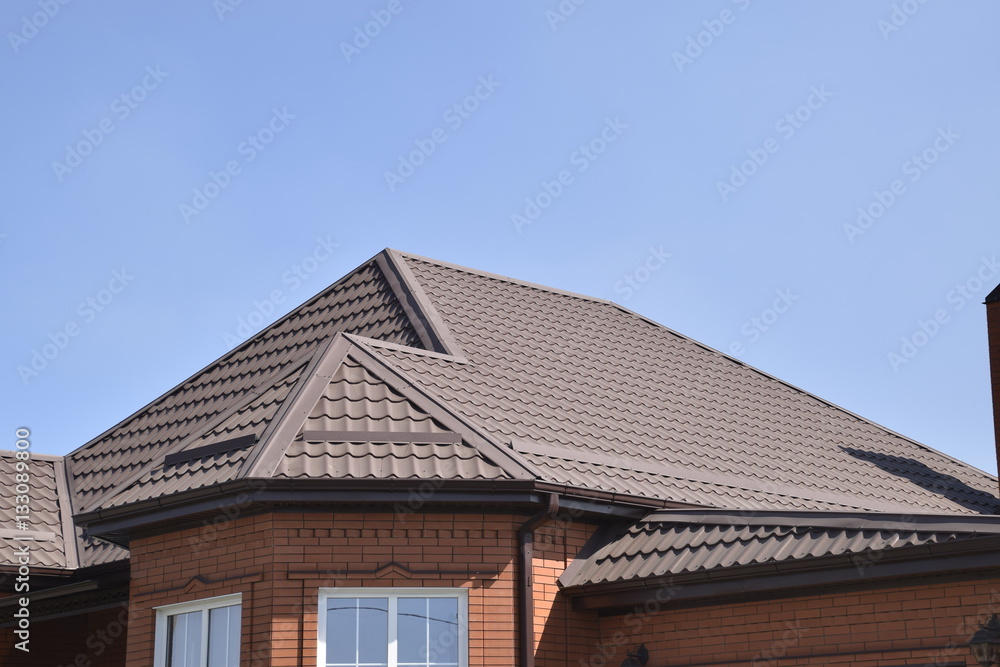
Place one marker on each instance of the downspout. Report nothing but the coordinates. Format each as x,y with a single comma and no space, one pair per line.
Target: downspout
525,599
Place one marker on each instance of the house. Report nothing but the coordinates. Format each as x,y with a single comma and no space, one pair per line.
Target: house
431,465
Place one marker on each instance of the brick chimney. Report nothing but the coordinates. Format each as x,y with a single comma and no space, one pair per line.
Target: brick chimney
993,332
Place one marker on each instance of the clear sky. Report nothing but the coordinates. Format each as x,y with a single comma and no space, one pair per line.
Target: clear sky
809,186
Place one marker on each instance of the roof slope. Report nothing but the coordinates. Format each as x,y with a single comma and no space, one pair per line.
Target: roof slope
673,543
47,521
596,396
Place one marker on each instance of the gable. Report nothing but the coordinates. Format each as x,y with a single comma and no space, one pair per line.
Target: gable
362,428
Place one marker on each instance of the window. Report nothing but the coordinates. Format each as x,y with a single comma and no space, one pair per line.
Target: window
393,627
204,633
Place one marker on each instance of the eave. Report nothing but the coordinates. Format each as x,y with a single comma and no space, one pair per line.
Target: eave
792,577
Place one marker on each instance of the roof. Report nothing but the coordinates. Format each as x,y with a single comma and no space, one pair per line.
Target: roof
410,368
678,543
45,525
598,397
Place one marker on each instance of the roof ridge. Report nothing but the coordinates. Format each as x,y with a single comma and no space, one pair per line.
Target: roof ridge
424,317
374,342
503,278
296,407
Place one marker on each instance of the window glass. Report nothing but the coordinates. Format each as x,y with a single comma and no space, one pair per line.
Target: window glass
201,633
224,637
357,632
442,631
184,640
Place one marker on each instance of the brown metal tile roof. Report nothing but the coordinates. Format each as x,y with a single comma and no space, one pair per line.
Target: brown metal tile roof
214,468
362,303
357,404
583,375
386,460
673,544
47,518
411,368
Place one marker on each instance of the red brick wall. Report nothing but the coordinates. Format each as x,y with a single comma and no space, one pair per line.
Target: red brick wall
908,625
562,636
279,561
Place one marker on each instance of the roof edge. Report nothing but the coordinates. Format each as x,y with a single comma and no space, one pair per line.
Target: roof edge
792,576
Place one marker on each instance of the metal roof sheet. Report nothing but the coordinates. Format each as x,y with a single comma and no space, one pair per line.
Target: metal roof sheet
655,548
44,523
585,375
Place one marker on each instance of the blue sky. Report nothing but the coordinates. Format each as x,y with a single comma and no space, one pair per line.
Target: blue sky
809,186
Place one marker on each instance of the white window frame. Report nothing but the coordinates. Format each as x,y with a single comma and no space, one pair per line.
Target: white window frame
394,594
163,613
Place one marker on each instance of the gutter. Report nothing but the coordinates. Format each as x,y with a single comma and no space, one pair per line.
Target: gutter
525,598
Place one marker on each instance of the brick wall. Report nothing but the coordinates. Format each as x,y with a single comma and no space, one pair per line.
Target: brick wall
562,636
924,624
279,561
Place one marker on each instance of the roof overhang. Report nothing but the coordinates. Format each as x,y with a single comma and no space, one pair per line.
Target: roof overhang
967,558
247,497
